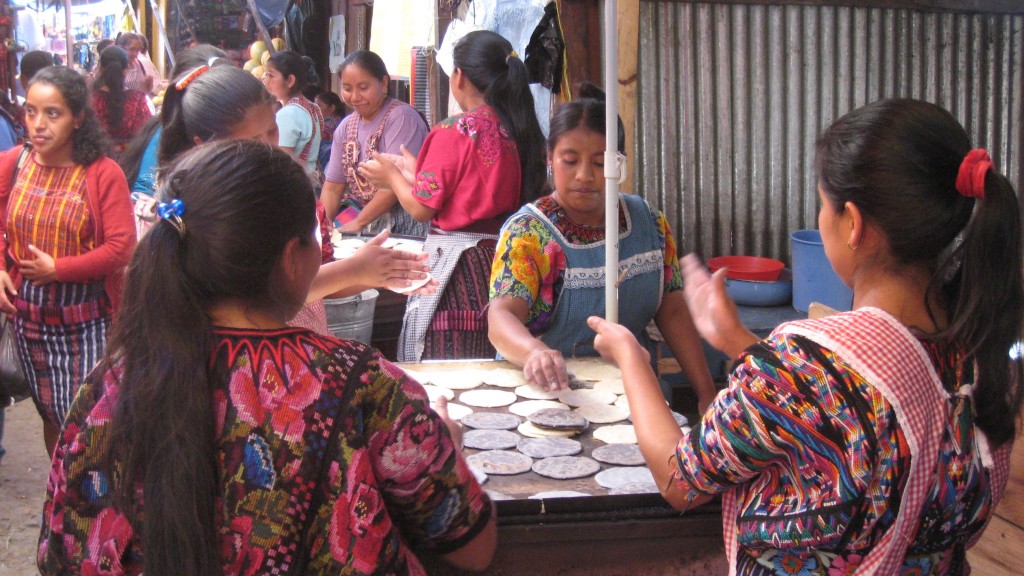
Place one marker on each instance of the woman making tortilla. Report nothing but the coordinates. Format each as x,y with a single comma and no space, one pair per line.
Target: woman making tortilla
548,273
875,441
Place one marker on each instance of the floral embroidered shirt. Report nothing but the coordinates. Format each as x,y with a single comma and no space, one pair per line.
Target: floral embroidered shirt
530,264
822,463
468,170
328,457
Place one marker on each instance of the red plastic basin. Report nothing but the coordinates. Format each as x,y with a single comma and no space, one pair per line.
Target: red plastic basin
748,267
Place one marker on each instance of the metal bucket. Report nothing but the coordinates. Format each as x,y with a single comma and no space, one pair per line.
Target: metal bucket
352,317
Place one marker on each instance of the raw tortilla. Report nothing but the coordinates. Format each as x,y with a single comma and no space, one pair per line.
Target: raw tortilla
602,413
593,369
619,454
616,477
548,447
503,378
558,494
487,398
461,380
616,434
583,397
491,421
490,439
435,392
614,386
501,462
458,411
634,488
535,393
566,467
529,430
528,407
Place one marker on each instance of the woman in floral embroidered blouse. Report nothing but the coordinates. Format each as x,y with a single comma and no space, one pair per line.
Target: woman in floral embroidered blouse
875,441
548,273
213,439
474,170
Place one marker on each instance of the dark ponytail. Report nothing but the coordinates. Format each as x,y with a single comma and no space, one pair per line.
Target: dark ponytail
208,107
488,62
113,63
244,201
290,63
898,161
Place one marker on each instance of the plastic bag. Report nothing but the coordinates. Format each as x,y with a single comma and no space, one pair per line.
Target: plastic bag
13,382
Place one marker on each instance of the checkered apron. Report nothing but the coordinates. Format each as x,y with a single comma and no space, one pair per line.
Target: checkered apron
443,250
891,359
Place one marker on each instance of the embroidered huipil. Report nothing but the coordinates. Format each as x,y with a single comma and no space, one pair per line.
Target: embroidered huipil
814,463
557,267
329,459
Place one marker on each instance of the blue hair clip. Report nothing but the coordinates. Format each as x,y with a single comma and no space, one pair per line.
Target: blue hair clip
172,212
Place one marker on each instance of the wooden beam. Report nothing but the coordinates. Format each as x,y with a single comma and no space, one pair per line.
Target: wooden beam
581,32
629,44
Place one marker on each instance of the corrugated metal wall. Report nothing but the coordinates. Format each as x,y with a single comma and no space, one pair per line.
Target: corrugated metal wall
732,97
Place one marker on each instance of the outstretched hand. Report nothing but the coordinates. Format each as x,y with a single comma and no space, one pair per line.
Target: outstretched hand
713,312
406,163
615,343
389,268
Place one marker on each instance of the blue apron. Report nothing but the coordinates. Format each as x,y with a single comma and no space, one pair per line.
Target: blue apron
641,265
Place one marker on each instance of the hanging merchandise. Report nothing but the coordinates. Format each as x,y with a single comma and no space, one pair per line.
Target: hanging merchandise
546,51
513,19
271,11
306,29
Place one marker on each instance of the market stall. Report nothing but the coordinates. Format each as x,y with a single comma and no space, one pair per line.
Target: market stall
580,500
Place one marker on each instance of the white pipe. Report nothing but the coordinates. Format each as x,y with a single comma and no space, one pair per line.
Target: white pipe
611,164
69,36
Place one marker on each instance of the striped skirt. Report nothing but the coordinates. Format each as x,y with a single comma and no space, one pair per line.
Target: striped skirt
62,331
459,326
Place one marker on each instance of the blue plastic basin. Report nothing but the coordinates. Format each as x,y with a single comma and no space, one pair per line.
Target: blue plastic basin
755,293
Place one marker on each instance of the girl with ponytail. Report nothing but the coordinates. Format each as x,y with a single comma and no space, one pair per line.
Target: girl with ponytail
473,171
300,123
890,426
122,112
213,439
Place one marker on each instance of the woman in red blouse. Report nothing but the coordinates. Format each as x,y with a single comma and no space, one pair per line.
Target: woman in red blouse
473,171
122,111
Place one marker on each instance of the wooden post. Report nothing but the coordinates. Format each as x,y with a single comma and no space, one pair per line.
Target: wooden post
629,45
438,82
264,35
581,32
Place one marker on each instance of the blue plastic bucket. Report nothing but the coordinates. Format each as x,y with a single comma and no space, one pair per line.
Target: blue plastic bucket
813,277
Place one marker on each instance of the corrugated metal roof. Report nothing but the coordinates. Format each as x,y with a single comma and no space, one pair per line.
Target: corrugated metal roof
732,97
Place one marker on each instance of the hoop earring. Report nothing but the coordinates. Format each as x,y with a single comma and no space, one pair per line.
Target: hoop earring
851,247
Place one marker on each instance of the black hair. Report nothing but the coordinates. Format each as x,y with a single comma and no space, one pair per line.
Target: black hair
201,54
113,64
310,91
89,141
332,99
208,108
486,60
34,61
244,201
185,61
897,160
103,45
368,61
290,63
587,110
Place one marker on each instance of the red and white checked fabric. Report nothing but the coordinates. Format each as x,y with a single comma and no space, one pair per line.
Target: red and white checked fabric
892,360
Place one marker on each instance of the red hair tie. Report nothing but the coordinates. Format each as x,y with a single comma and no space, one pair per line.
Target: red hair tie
970,180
